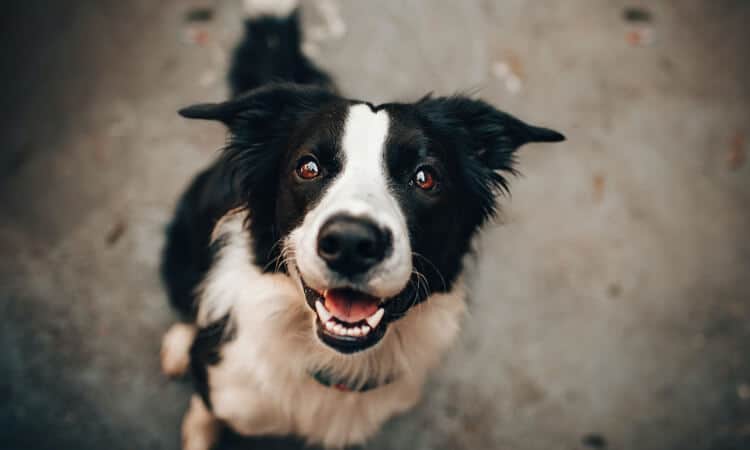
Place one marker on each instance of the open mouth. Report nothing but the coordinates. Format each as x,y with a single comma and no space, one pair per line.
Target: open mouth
348,320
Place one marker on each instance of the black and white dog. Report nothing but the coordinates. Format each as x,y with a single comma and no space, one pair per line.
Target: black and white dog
318,262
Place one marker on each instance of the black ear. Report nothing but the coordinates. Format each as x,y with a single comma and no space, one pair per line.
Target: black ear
272,100
222,112
491,136
485,140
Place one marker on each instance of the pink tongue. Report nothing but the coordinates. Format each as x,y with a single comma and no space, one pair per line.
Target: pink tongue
349,306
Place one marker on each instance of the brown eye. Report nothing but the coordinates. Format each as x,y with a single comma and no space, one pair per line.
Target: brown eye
425,179
308,168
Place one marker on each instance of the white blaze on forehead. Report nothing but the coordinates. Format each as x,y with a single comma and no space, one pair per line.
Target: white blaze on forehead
365,131
360,190
363,143
362,187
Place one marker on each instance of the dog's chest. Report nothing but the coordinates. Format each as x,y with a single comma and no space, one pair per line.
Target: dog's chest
259,392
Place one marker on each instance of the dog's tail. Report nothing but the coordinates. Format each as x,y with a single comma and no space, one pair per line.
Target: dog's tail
271,49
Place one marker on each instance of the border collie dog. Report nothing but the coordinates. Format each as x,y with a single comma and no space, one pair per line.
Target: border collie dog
318,262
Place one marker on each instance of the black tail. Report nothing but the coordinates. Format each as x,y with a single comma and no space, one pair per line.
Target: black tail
271,51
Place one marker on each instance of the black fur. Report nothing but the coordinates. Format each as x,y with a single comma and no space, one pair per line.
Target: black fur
205,352
187,255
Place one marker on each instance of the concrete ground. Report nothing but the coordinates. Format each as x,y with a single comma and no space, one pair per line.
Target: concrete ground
610,308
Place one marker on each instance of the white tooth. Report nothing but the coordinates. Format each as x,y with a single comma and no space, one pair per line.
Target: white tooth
352,331
340,330
374,319
357,331
322,312
365,330
330,326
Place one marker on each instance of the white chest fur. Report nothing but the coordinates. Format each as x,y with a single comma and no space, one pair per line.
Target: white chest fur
262,384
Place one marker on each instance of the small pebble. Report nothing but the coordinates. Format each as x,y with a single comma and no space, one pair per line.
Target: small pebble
595,441
736,157
500,69
329,10
513,84
743,391
614,290
504,71
195,36
116,232
338,29
310,49
200,14
599,184
640,37
636,14
208,78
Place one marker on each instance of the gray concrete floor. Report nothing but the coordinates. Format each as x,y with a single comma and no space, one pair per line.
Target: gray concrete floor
610,308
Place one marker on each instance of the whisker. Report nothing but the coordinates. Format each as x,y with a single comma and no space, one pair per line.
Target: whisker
286,254
419,277
275,260
434,267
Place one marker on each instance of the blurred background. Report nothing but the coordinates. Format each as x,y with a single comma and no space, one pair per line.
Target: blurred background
611,302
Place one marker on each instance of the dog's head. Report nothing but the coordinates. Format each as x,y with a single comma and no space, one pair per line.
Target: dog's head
370,208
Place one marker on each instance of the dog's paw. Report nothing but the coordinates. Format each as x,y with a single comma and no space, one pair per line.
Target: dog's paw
200,429
175,349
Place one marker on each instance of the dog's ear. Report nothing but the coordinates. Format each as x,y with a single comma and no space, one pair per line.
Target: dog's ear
222,112
274,101
486,140
489,135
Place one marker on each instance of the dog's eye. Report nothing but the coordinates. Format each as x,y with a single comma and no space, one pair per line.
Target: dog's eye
425,179
307,168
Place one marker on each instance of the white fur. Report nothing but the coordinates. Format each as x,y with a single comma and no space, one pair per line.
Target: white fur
276,8
175,349
200,429
361,190
262,383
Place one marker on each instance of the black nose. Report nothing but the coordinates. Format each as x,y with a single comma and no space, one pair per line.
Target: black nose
352,245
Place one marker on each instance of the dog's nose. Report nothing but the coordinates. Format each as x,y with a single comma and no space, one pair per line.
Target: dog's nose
352,245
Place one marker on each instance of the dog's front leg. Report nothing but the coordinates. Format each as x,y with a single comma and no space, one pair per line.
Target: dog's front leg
200,429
